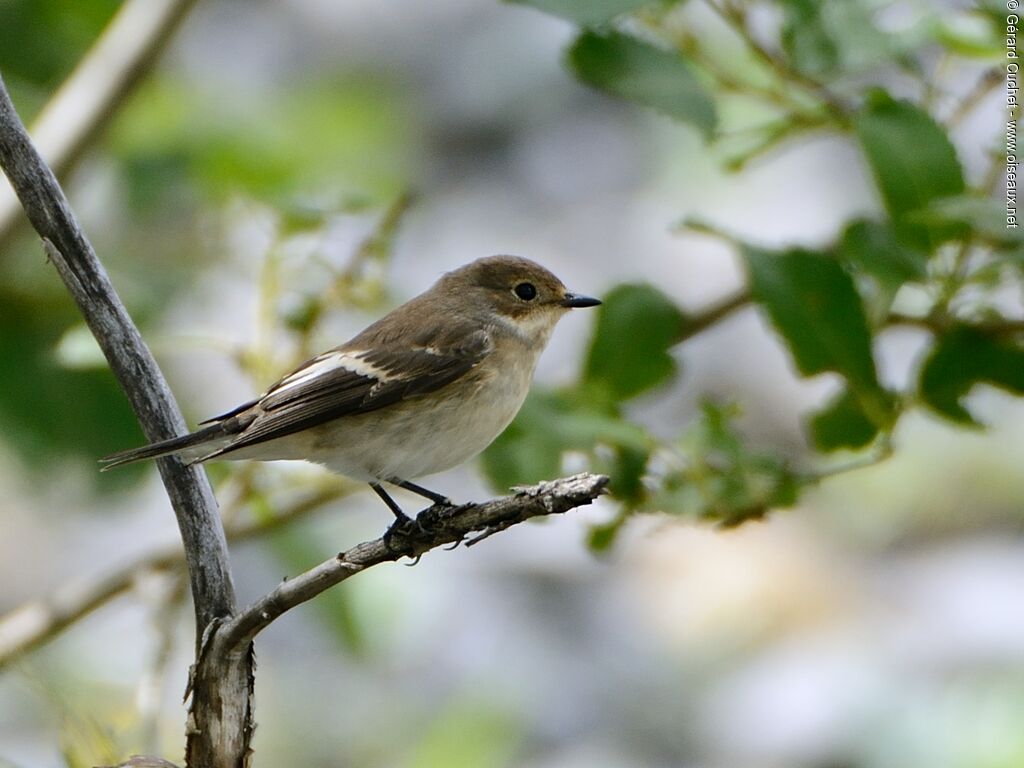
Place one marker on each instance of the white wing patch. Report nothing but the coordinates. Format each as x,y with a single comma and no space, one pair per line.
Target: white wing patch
330,362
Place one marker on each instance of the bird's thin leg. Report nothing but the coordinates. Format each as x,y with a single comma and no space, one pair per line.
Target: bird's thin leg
426,493
392,504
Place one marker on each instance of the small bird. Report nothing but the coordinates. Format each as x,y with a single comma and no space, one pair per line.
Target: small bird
423,389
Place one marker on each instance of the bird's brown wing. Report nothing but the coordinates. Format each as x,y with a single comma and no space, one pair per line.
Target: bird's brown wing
348,381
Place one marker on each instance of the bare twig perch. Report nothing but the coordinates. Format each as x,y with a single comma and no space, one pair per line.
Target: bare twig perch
229,643
434,527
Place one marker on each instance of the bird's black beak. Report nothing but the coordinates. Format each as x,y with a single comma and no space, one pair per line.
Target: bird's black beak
577,301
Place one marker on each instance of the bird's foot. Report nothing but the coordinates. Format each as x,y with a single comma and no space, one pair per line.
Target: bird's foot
405,531
405,527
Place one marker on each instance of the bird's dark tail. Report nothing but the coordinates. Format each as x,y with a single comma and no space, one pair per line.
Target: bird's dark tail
206,437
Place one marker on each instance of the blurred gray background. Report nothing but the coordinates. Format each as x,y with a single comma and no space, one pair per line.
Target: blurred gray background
878,624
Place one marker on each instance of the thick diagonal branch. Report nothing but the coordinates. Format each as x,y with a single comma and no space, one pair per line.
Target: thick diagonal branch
218,736
434,527
129,357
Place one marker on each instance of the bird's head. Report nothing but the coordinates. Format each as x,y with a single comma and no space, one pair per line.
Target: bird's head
514,292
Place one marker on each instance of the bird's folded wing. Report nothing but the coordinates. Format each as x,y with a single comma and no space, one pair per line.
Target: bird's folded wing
347,381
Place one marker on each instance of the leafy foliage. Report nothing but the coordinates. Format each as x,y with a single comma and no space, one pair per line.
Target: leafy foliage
913,162
636,70
813,303
827,40
41,40
636,326
315,144
872,248
842,424
936,235
549,425
966,356
85,412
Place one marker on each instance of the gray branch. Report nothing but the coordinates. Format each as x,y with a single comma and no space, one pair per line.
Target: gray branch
129,357
434,527
227,645
213,740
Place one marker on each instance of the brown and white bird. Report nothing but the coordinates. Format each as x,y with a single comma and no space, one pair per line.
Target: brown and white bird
423,389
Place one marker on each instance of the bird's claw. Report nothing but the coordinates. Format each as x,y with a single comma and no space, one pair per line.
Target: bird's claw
407,530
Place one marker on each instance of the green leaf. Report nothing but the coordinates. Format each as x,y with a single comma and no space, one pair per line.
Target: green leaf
548,425
842,424
641,72
972,33
636,325
806,40
721,479
826,40
873,248
51,413
962,358
913,162
627,473
986,216
601,538
522,454
586,13
813,303
41,41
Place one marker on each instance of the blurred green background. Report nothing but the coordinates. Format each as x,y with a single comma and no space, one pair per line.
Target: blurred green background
803,381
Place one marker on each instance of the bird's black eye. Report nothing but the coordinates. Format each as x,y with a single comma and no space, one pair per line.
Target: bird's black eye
525,291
